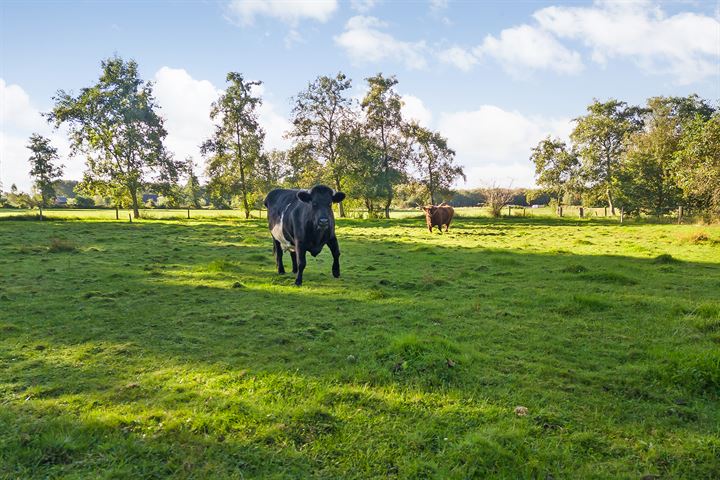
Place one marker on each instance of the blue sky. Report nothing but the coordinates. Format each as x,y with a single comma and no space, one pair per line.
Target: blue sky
494,77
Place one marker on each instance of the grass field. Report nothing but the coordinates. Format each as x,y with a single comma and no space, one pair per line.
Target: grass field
172,349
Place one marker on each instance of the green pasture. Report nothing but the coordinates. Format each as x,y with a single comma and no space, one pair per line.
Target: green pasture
524,347
169,214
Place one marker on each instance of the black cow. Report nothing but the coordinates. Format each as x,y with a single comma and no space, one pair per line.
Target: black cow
302,221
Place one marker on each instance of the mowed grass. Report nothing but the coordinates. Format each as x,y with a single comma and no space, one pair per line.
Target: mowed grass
172,349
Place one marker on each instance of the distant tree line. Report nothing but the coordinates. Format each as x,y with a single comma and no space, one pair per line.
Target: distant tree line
366,148
645,159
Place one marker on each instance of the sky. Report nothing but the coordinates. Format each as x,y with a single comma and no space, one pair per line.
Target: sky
494,77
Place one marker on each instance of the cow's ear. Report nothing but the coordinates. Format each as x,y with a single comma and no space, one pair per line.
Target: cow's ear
338,197
304,196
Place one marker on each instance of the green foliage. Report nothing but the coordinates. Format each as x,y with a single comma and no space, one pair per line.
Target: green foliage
697,163
600,140
320,116
43,167
556,168
433,160
232,153
115,126
384,125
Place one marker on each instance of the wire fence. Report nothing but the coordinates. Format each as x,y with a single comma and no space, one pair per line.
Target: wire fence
678,215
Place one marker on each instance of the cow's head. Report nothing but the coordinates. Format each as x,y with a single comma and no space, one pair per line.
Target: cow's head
430,209
320,198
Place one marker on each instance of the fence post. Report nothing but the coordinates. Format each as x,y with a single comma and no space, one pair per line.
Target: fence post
41,213
622,214
680,214
117,213
509,212
188,213
606,211
581,212
130,217
560,210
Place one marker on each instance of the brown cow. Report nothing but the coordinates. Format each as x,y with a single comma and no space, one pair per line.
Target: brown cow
438,215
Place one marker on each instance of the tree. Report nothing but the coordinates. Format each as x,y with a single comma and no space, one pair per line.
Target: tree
66,188
43,167
271,169
646,174
433,160
114,123
363,157
697,163
383,123
556,167
320,115
192,191
233,150
497,197
600,137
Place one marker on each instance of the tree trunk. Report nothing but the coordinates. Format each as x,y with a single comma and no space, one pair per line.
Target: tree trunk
135,206
246,206
341,209
387,206
610,201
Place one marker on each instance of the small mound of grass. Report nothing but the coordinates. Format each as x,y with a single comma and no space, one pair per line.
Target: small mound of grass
219,266
574,268
579,304
430,361
665,258
696,371
60,245
695,237
610,278
306,426
706,317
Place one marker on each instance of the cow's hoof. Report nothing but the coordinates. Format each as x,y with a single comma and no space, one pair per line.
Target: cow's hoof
336,274
281,272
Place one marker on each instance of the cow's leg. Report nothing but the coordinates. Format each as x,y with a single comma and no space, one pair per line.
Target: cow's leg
300,253
277,250
293,257
335,250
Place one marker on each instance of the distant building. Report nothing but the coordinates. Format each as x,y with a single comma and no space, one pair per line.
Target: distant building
61,201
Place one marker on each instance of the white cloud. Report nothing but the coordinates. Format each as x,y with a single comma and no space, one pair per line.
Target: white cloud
458,57
274,123
19,118
685,45
495,144
414,109
293,37
363,6
186,104
364,42
438,4
523,48
287,11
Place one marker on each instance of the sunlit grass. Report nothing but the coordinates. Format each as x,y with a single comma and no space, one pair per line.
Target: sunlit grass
173,349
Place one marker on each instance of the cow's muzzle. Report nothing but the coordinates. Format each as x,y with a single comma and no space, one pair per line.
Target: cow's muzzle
323,223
